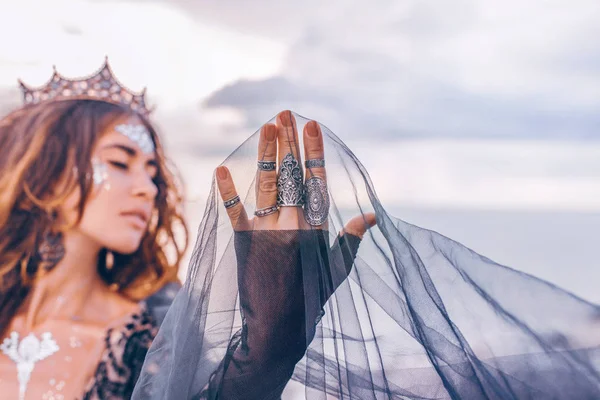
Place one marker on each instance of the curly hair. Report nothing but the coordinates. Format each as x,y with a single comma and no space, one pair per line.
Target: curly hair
45,154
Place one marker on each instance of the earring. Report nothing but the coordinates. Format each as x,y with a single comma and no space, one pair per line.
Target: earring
51,249
110,260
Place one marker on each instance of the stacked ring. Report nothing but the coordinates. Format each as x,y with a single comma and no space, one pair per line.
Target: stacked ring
315,163
263,212
290,191
231,202
266,165
316,208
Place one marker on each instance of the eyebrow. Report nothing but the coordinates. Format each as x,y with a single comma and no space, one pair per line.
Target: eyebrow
129,150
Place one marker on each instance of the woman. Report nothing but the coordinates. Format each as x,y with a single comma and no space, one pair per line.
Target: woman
268,299
90,216
90,224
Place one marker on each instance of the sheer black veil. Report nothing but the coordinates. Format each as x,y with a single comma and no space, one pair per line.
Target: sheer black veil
404,313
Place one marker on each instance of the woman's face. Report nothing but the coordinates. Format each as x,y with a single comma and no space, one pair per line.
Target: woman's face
118,211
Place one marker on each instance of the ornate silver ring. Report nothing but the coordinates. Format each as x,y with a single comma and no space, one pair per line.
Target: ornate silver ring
290,191
315,163
263,212
231,202
266,165
316,209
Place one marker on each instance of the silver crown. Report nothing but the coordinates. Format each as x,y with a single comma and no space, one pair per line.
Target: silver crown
102,86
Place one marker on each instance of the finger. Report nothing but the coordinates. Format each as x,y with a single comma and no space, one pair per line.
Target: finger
344,250
237,214
313,148
316,209
358,225
287,136
287,143
266,181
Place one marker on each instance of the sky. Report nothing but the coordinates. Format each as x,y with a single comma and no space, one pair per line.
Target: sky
489,104
478,105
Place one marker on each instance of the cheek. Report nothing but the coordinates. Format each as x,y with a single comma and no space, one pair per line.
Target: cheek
99,213
102,222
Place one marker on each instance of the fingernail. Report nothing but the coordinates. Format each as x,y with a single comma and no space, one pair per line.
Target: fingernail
222,173
270,133
286,118
313,129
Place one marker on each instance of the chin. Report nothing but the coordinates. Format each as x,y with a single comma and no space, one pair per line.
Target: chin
126,245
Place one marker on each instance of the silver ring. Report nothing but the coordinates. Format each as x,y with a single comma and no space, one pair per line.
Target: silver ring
316,209
231,202
290,191
316,163
263,212
266,165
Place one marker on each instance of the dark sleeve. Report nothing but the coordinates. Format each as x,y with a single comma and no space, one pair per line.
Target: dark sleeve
285,278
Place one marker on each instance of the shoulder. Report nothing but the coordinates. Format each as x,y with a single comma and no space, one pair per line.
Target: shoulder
158,304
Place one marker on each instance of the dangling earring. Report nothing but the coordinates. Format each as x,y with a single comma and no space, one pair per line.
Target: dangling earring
51,249
110,260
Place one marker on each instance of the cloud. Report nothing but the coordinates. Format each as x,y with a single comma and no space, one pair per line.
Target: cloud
149,44
485,174
428,69
280,20
417,68
493,74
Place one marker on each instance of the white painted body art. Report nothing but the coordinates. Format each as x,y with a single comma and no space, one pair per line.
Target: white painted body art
26,353
100,174
138,134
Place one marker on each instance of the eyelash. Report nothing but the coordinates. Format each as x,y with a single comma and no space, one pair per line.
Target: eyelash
124,167
119,165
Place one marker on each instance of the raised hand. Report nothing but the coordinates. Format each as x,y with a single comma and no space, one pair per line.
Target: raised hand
282,202
286,268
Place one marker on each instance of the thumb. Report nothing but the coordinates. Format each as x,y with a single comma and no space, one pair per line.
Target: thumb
358,225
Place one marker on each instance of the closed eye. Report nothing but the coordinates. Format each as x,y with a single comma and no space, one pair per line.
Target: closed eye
119,165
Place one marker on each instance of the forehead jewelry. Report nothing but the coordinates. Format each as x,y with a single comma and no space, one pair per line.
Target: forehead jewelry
139,135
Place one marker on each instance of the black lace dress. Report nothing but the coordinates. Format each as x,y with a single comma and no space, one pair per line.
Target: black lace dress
122,359
126,348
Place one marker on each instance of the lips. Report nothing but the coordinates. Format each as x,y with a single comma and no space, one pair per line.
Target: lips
138,217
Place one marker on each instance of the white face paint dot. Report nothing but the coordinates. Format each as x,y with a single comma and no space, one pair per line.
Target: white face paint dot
74,342
100,172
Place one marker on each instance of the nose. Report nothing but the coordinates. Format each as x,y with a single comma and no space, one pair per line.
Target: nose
144,186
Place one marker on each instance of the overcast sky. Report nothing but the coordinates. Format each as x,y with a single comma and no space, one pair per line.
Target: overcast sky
476,118
478,103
